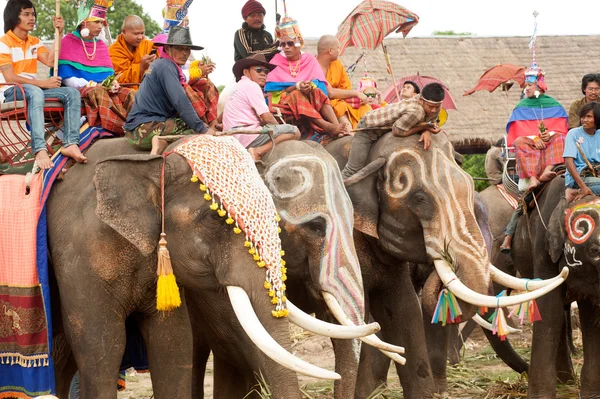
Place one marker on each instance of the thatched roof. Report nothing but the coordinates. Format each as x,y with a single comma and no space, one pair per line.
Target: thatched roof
481,118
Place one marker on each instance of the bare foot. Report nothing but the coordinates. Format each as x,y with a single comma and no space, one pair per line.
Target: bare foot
338,129
255,155
533,183
43,160
547,175
158,146
74,152
571,193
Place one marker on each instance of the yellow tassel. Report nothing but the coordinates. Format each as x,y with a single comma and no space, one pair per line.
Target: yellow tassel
229,220
267,285
256,257
247,244
274,300
261,263
282,252
167,291
214,206
283,277
283,298
279,229
202,187
283,270
278,218
237,230
194,179
271,292
252,251
222,212
282,262
207,197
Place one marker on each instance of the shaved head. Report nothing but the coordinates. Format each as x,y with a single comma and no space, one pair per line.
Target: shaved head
132,22
327,42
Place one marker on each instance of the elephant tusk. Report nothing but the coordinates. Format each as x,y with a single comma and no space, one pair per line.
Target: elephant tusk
391,351
312,324
262,339
523,284
466,294
488,326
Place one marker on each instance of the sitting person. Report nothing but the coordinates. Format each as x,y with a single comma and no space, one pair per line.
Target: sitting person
409,90
537,129
339,86
299,84
19,20
84,64
246,108
590,87
582,145
162,106
368,87
252,37
403,118
494,163
131,54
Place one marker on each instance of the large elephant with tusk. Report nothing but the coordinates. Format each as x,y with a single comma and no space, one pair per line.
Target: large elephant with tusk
104,223
557,235
417,206
323,270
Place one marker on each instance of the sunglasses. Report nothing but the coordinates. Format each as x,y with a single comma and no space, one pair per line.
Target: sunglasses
262,70
288,44
372,95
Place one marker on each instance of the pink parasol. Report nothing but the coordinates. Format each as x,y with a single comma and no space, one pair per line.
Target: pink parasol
390,93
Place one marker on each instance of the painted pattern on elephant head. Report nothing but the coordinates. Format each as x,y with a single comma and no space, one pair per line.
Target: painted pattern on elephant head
441,194
580,225
306,188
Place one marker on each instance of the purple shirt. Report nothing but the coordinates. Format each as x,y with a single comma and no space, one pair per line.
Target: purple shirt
243,109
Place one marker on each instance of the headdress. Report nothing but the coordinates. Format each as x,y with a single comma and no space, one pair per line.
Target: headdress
92,10
253,60
535,74
176,14
289,27
366,82
251,7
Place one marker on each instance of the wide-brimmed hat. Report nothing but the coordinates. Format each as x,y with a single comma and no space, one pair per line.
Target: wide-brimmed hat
253,60
179,36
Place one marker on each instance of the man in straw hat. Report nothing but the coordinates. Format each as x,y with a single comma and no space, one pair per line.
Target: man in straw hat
404,118
162,104
246,108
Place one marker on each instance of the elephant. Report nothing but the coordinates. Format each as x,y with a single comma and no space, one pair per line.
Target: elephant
104,222
416,206
322,266
555,235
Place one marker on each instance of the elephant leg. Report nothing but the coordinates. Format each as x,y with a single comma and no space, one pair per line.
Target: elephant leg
398,310
572,348
372,371
565,373
200,359
437,348
65,366
590,329
347,355
229,382
169,341
544,348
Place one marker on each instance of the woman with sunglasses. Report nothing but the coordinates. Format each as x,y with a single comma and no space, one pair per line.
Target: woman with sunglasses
299,88
590,87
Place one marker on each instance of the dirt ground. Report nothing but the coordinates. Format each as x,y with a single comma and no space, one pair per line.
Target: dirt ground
479,375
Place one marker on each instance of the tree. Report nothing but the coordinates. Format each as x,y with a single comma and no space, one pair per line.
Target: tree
116,14
450,33
475,166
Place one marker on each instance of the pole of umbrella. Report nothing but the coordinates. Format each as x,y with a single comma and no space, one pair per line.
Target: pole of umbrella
390,69
57,40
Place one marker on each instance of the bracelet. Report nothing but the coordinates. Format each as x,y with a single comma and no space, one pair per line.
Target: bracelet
298,85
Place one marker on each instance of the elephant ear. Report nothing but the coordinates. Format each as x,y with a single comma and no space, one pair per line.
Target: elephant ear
128,198
555,236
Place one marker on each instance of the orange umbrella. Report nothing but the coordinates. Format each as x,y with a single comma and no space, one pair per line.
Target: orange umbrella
497,75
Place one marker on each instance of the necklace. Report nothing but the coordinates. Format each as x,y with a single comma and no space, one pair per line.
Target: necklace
88,55
294,71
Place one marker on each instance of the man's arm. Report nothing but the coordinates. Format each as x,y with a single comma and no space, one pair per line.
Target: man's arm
47,58
11,77
583,189
268,119
169,78
240,50
341,94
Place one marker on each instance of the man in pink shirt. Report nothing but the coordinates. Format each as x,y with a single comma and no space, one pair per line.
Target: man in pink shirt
246,108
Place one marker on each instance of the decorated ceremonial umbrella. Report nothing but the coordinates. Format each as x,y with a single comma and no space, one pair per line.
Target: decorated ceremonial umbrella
499,75
370,22
391,95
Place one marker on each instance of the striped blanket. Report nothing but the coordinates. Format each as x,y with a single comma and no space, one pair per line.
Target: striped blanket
26,367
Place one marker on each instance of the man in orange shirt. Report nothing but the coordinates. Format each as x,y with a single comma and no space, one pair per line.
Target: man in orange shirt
132,53
19,53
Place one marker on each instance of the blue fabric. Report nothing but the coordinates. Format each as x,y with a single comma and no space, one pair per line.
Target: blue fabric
534,114
278,86
68,71
590,146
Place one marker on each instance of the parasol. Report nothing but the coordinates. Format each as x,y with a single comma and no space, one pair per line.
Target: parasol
499,75
390,94
370,22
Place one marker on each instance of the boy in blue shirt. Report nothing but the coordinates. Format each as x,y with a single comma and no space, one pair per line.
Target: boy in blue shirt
582,146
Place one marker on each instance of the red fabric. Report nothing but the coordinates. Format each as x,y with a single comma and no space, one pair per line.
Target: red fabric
531,161
252,6
531,128
105,109
204,97
298,109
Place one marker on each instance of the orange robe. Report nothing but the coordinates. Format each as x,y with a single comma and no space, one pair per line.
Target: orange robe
338,78
127,63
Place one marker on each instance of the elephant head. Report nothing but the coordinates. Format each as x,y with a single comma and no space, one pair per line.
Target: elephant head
208,253
572,233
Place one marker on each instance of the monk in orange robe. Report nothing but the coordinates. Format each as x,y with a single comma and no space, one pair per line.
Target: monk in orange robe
131,52
349,105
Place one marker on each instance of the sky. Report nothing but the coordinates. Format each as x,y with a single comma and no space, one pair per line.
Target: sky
214,23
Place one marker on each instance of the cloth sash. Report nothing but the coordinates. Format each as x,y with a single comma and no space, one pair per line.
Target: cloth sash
73,61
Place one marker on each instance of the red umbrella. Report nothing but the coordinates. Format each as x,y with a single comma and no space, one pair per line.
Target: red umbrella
370,22
390,96
497,75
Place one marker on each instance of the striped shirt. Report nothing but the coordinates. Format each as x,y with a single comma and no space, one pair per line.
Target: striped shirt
23,55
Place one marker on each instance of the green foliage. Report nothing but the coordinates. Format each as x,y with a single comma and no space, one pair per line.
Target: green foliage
475,166
116,14
450,33
220,88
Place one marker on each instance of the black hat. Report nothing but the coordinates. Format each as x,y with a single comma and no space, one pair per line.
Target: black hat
253,60
179,36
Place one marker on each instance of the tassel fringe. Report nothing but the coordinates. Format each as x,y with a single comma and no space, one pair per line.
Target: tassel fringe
527,311
167,291
499,324
447,310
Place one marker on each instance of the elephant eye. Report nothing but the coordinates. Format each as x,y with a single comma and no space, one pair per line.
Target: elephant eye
593,251
317,226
